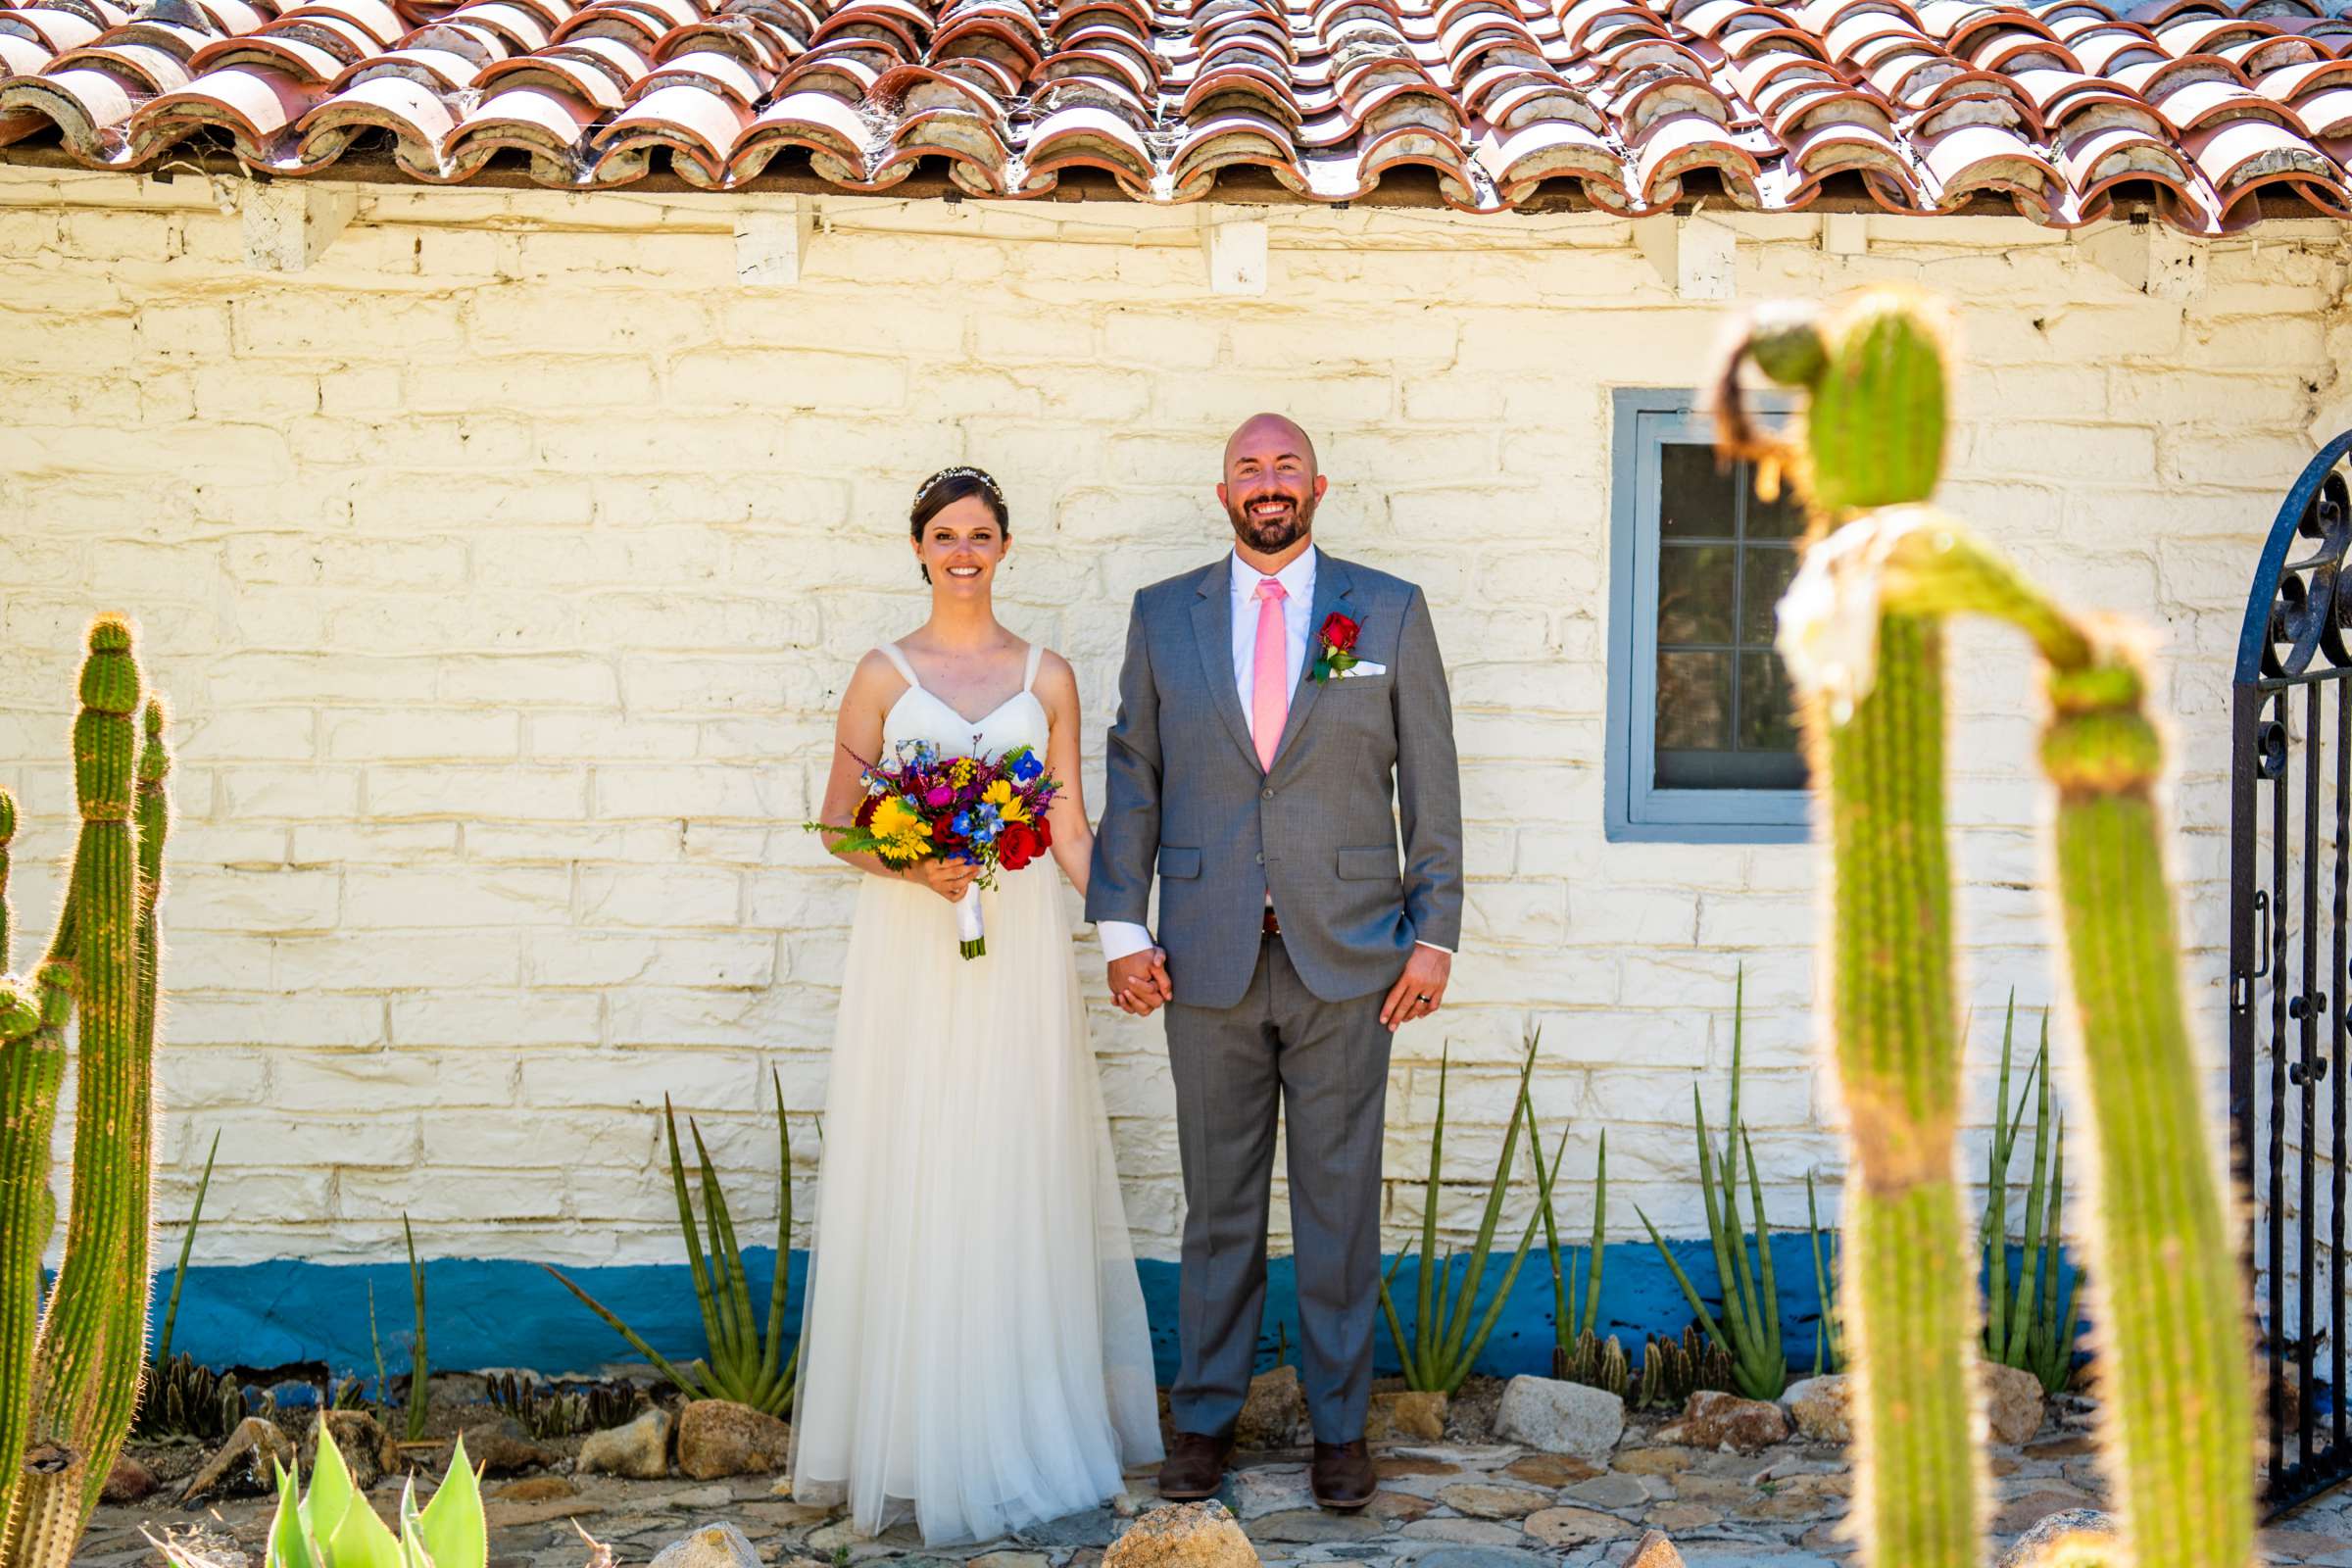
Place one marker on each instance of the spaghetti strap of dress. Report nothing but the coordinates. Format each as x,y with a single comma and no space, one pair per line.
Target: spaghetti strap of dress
1036,652
898,661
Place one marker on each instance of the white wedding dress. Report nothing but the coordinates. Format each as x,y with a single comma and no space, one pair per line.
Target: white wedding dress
974,1347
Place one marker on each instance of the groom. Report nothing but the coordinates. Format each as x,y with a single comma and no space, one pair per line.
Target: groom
1282,712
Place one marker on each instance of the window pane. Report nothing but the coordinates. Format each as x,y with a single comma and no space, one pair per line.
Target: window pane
1764,578
1695,702
1780,519
1767,719
1694,501
1695,593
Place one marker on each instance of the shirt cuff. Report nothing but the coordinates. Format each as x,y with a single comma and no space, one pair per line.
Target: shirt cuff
1449,952
1122,939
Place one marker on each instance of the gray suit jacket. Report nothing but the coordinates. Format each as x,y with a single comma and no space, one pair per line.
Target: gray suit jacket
1359,759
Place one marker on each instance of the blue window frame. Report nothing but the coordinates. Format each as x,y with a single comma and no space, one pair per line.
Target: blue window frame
1702,745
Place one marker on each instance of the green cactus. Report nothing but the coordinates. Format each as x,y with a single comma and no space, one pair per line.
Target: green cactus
1672,1370
8,833
1750,1330
746,1363
1859,632
1445,1347
66,1421
155,1417
2030,1328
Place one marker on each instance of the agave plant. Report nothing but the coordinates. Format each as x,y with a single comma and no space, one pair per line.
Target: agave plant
746,1361
1444,1344
1749,1328
2032,1327
330,1524
1829,1333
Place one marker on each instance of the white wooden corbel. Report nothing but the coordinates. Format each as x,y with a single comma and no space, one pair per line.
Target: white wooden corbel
2156,258
772,239
1695,256
1235,243
1845,234
289,223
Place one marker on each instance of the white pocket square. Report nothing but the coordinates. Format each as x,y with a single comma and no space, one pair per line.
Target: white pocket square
1362,666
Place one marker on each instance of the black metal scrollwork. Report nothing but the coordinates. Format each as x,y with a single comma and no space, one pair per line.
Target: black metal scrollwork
2310,613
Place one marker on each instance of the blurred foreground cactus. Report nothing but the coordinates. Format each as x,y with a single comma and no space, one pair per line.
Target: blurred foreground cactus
1860,631
331,1524
70,1369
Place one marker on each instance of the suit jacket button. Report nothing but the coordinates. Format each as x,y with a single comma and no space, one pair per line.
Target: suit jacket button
1261,858
1270,795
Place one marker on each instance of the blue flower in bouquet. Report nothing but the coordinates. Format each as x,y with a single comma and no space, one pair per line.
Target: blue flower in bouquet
1026,767
987,822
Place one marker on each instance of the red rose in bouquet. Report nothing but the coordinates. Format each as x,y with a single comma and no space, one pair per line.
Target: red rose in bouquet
1017,844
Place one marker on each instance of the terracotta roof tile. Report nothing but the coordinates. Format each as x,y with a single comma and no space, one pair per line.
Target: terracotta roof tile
2209,114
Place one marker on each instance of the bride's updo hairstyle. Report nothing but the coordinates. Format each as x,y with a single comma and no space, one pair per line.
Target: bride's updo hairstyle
948,487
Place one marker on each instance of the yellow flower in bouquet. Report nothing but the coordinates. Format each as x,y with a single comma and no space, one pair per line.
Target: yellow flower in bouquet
904,836
1008,804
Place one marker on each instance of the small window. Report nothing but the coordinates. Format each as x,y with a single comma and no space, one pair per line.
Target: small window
1702,739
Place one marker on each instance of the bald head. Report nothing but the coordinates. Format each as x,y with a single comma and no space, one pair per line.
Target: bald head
1271,486
1271,435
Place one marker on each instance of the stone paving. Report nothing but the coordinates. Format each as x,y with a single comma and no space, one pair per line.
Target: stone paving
1454,1504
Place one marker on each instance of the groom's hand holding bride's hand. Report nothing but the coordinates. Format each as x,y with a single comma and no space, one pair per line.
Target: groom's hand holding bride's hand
1420,990
1139,982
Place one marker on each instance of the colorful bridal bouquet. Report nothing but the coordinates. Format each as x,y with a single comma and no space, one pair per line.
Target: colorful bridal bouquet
922,804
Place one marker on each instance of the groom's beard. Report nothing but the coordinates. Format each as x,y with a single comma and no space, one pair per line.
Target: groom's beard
1271,536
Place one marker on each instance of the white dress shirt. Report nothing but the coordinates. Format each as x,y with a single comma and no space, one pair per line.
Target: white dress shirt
1123,938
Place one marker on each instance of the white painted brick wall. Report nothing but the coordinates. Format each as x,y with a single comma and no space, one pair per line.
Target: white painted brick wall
504,569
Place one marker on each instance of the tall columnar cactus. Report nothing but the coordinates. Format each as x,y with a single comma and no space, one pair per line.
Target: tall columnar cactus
1859,629
62,1420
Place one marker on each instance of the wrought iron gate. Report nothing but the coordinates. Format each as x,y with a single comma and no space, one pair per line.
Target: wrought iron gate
2291,891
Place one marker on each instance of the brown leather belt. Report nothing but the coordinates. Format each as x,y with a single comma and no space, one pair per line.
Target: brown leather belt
1273,927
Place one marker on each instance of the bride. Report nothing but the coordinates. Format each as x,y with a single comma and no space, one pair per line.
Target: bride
977,1352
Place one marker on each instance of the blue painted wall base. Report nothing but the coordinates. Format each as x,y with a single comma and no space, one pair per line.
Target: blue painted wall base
509,1314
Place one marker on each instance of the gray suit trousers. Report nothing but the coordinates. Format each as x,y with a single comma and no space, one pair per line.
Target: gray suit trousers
1325,1066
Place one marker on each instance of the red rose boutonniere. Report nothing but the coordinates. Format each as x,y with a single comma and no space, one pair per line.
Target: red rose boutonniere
1336,652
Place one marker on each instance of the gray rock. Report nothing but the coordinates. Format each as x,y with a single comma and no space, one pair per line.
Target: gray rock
719,1438
639,1450
1270,1489
2028,1548
1611,1490
719,1544
1465,1532
1274,1410
1482,1558
1818,1407
1096,1527
1560,1417
1313,1526
2013,1403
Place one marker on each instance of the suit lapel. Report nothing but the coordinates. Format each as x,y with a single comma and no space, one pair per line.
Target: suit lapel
1333,585
1212,631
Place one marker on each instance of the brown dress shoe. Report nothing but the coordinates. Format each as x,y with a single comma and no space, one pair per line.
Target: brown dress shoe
1195,1467
1342,1477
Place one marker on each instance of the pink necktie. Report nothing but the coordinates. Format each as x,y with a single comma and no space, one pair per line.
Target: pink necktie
1269,690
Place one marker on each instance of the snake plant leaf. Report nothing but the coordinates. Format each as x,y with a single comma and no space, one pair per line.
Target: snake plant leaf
451,1527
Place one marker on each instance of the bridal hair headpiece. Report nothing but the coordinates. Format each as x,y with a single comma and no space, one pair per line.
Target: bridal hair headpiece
959,471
